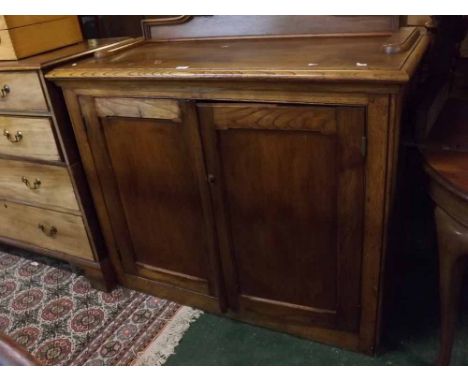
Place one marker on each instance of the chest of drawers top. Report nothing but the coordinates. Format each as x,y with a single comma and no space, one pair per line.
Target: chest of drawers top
49,59
21,84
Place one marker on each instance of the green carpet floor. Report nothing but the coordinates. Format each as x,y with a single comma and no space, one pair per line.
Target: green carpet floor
214,340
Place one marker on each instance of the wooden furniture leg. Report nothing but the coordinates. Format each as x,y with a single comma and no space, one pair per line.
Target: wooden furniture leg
448,172
453,250
101,277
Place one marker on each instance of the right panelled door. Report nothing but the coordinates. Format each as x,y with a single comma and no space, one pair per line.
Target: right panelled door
287,185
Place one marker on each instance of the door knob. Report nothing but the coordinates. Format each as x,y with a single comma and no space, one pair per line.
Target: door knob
211,178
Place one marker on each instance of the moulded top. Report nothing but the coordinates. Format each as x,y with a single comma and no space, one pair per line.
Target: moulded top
289,58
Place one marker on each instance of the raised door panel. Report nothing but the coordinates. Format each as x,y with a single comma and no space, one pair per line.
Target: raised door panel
287,185
150,175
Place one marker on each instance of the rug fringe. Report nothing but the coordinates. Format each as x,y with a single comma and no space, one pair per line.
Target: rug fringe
163,346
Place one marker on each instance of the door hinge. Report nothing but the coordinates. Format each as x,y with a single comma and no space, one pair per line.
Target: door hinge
364,146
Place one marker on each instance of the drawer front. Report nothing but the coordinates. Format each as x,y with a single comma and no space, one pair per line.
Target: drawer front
46,229
21,91
28,137
47,185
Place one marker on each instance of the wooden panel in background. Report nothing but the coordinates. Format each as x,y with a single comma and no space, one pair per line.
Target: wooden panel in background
216,26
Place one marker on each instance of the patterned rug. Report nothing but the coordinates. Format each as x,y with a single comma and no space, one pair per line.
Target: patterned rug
61,320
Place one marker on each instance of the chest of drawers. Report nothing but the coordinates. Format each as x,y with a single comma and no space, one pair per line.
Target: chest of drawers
24,36
249,176
44,199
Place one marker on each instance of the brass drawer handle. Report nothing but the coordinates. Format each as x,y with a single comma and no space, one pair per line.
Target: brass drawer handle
48,231
4,91
13,138
34,186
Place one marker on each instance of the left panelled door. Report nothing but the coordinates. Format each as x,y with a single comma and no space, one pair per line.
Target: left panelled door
148,156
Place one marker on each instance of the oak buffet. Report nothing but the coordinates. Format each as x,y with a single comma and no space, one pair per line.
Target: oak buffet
249,175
